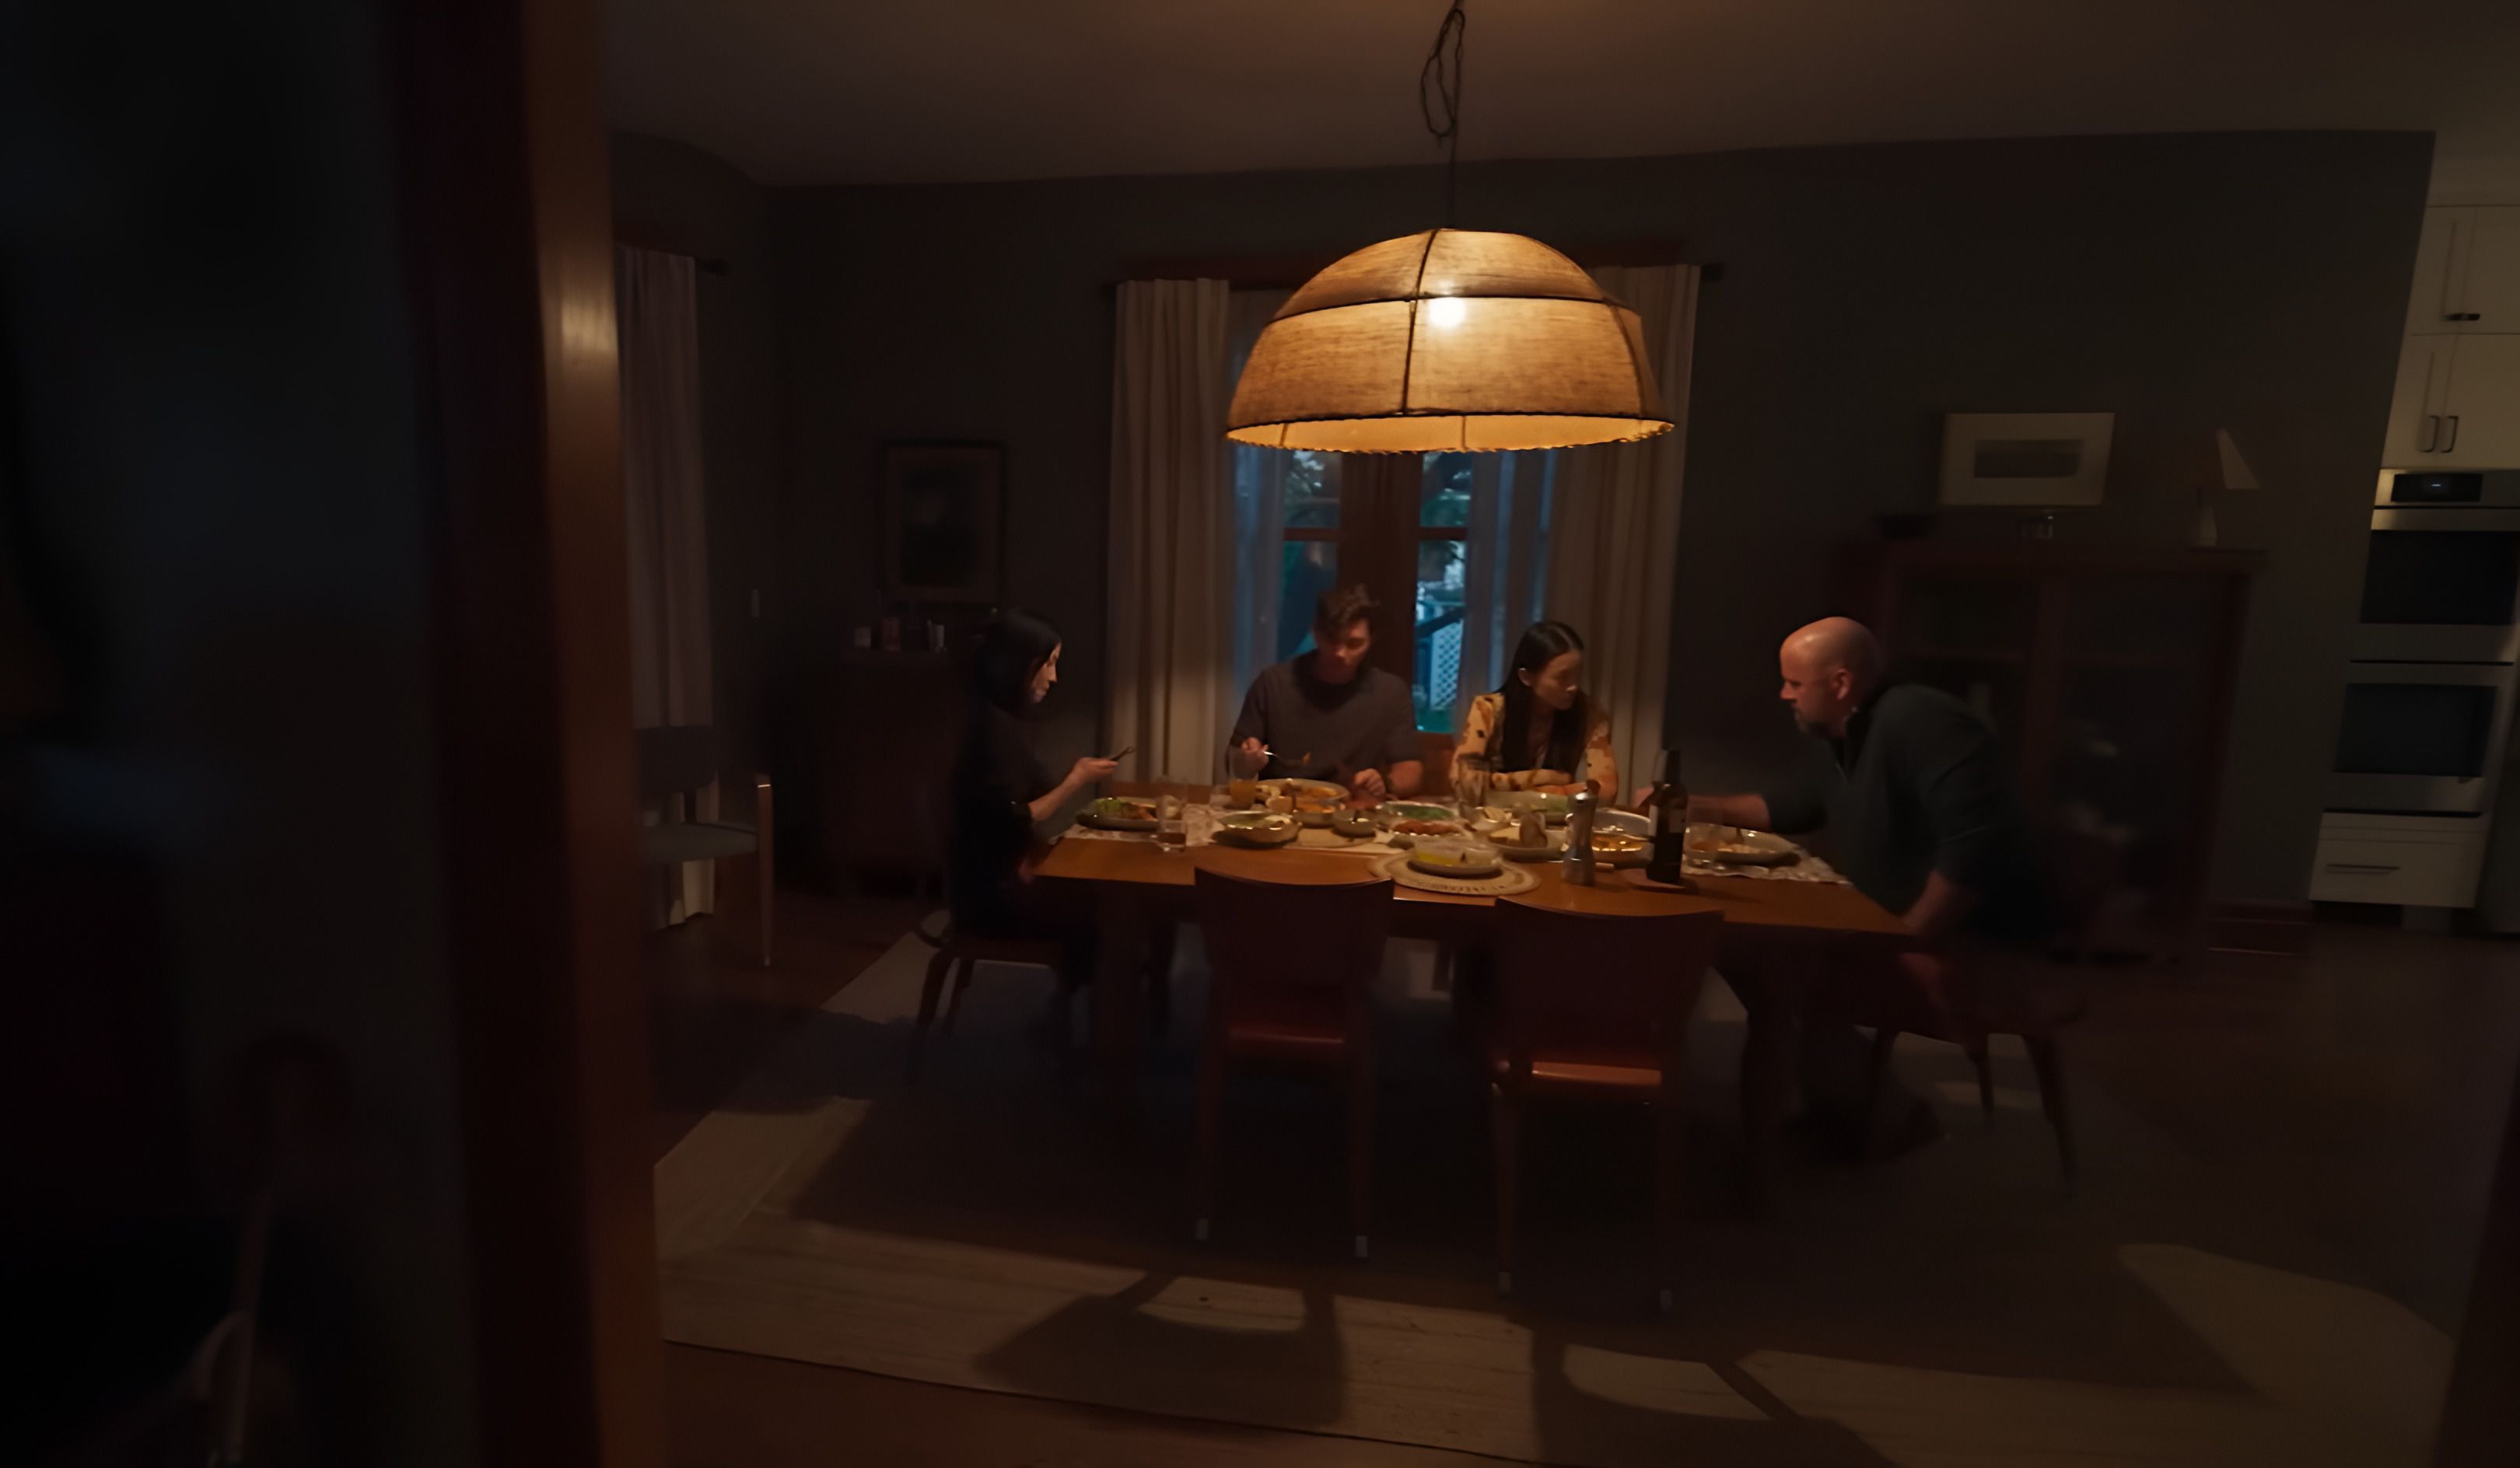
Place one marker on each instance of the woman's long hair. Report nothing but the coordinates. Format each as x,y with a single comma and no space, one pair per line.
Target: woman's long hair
1542,643
1012,648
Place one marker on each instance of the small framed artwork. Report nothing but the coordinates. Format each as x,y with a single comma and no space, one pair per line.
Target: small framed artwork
2031,460
944,506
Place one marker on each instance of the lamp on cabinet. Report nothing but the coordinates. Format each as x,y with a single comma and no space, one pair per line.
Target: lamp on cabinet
2227,473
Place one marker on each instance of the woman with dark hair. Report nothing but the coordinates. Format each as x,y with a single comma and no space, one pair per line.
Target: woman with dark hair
1002,791
1541,731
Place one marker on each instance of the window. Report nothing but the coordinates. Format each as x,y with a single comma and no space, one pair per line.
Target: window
1453,545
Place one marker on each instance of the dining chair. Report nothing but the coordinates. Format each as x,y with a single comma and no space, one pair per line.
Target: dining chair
1302,1003
1587,1008
1970,994
682,760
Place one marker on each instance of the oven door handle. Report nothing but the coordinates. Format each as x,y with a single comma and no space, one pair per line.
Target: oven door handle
2374,869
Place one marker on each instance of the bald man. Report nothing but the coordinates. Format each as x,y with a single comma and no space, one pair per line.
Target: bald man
1917,797
1922,816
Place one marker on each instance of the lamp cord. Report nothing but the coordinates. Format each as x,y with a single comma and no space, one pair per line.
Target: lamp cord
1439,97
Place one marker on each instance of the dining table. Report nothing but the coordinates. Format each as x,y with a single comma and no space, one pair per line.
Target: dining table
1779,943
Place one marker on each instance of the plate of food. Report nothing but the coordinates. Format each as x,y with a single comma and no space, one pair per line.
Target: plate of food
1507,837
1412,829
1119,813
1734,846
1612,847
1310,801
1260,828
1353,824
1456,857
1552,808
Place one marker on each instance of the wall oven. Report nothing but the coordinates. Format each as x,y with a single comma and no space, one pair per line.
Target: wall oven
2441,581
2421,737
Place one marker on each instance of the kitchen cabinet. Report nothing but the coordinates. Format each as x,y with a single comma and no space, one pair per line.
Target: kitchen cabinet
2457,404
2467,274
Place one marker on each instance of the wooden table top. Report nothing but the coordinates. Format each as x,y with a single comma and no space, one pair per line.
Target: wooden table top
1825,908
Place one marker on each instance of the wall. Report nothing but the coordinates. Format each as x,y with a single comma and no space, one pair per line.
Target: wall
214,489
2254,281
672,196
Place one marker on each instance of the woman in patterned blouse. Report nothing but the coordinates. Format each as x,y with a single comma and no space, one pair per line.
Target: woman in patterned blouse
1541,731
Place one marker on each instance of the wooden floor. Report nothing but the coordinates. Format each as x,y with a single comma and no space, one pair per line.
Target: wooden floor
2358,1089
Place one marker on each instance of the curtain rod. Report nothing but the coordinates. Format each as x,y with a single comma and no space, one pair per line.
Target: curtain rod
707,264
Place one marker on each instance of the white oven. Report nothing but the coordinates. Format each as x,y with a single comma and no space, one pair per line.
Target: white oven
2420,737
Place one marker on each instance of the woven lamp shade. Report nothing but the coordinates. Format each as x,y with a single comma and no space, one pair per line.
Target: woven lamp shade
1447,340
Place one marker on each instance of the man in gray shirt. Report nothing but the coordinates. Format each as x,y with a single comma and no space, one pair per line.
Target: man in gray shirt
1324,715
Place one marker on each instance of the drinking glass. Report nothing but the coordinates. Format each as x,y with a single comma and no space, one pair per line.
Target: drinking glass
1470,783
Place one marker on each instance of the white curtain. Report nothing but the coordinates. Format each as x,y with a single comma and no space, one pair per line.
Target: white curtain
1259,505
663,478
1510,500
1617,537
1171,579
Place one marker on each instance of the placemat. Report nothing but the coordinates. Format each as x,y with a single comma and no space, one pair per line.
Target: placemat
1506,883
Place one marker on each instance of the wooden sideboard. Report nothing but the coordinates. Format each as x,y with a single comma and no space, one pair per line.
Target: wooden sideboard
2108,673
886,726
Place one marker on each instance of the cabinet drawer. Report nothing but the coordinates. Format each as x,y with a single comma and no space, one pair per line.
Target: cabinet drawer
2415,873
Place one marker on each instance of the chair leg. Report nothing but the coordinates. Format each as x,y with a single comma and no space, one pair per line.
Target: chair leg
1211,1137
1159,978
928,993
1360,1148
1504,1130
1985,1080
1669,1131
1879,1122
2052,1098
962,981
764,875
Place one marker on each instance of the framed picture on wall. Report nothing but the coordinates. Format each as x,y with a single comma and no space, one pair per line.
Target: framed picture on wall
944,506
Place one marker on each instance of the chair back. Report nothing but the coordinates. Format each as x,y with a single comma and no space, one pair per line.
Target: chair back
1265,936
1576,983
676,758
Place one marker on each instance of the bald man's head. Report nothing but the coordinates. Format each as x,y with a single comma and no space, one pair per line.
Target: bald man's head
1829,667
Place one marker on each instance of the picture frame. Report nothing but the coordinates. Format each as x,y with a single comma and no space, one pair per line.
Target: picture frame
944,507
2027,461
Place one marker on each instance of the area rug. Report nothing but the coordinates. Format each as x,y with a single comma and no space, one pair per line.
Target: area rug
990,1229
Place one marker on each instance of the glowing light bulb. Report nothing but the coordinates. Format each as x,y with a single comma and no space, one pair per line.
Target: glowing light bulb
1446,311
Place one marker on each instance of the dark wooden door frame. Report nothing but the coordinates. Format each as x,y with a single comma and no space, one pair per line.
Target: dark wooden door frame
509,236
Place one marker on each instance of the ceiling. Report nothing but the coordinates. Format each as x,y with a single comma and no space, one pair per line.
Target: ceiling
831,91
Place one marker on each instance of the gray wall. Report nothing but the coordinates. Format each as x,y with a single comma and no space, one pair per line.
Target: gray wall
672,196
2254,281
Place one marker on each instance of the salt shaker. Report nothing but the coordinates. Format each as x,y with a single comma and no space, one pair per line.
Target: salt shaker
1578,869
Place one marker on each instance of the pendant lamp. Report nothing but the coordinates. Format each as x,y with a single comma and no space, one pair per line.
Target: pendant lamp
1449,339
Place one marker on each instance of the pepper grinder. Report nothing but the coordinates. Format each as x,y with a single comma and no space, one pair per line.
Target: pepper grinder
1578,871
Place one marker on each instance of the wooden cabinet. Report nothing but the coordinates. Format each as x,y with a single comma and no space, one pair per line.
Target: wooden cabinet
2106,671
2468,272
886,726
2457,404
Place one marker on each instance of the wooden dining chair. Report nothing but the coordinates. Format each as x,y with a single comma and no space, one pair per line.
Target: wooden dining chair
1290,968
682,760
1593,1007
1972,994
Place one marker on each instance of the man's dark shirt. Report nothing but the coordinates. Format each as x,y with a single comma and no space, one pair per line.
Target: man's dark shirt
1920,785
